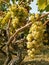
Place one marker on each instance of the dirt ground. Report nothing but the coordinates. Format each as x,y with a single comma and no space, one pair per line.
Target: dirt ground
42,59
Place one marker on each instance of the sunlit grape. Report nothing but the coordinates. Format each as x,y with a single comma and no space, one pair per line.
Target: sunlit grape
29,44
13,7
6,18
34,42
32,56
33,50
15,22
29,37
35,38
36,15
31,18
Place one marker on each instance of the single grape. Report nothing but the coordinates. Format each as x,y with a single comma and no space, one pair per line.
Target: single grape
31,18
29,37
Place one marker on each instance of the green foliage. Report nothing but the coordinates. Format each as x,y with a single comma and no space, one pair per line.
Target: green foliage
47,8
3,6
14,17
43,5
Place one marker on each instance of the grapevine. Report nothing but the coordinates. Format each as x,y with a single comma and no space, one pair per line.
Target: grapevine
22,33
35,37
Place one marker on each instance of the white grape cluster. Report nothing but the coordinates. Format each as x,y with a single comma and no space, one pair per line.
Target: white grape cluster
35,38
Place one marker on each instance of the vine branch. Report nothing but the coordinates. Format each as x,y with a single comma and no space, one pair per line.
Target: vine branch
7,46
46,22
42,16
22,28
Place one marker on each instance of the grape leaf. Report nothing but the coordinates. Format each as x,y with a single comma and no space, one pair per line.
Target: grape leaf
42,4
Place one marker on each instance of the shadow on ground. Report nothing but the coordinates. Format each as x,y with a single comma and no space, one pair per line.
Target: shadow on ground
35,62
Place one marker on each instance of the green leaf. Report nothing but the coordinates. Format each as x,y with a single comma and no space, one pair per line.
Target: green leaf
3,6
47,8
42,4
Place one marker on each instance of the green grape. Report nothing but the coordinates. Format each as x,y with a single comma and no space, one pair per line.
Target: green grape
31,18
35,37
32,56
33,50
19,11
37,26
12,14
29,44
29,37
15,22
36,15
34,42
13,8
31,53
33,27
23,11
6,18
21,8
28,51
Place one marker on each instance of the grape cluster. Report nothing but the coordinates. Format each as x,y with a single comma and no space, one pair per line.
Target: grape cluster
35,38
17,13
15,22
6,18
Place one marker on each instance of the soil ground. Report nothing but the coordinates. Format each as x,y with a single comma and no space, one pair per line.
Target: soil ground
41,59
